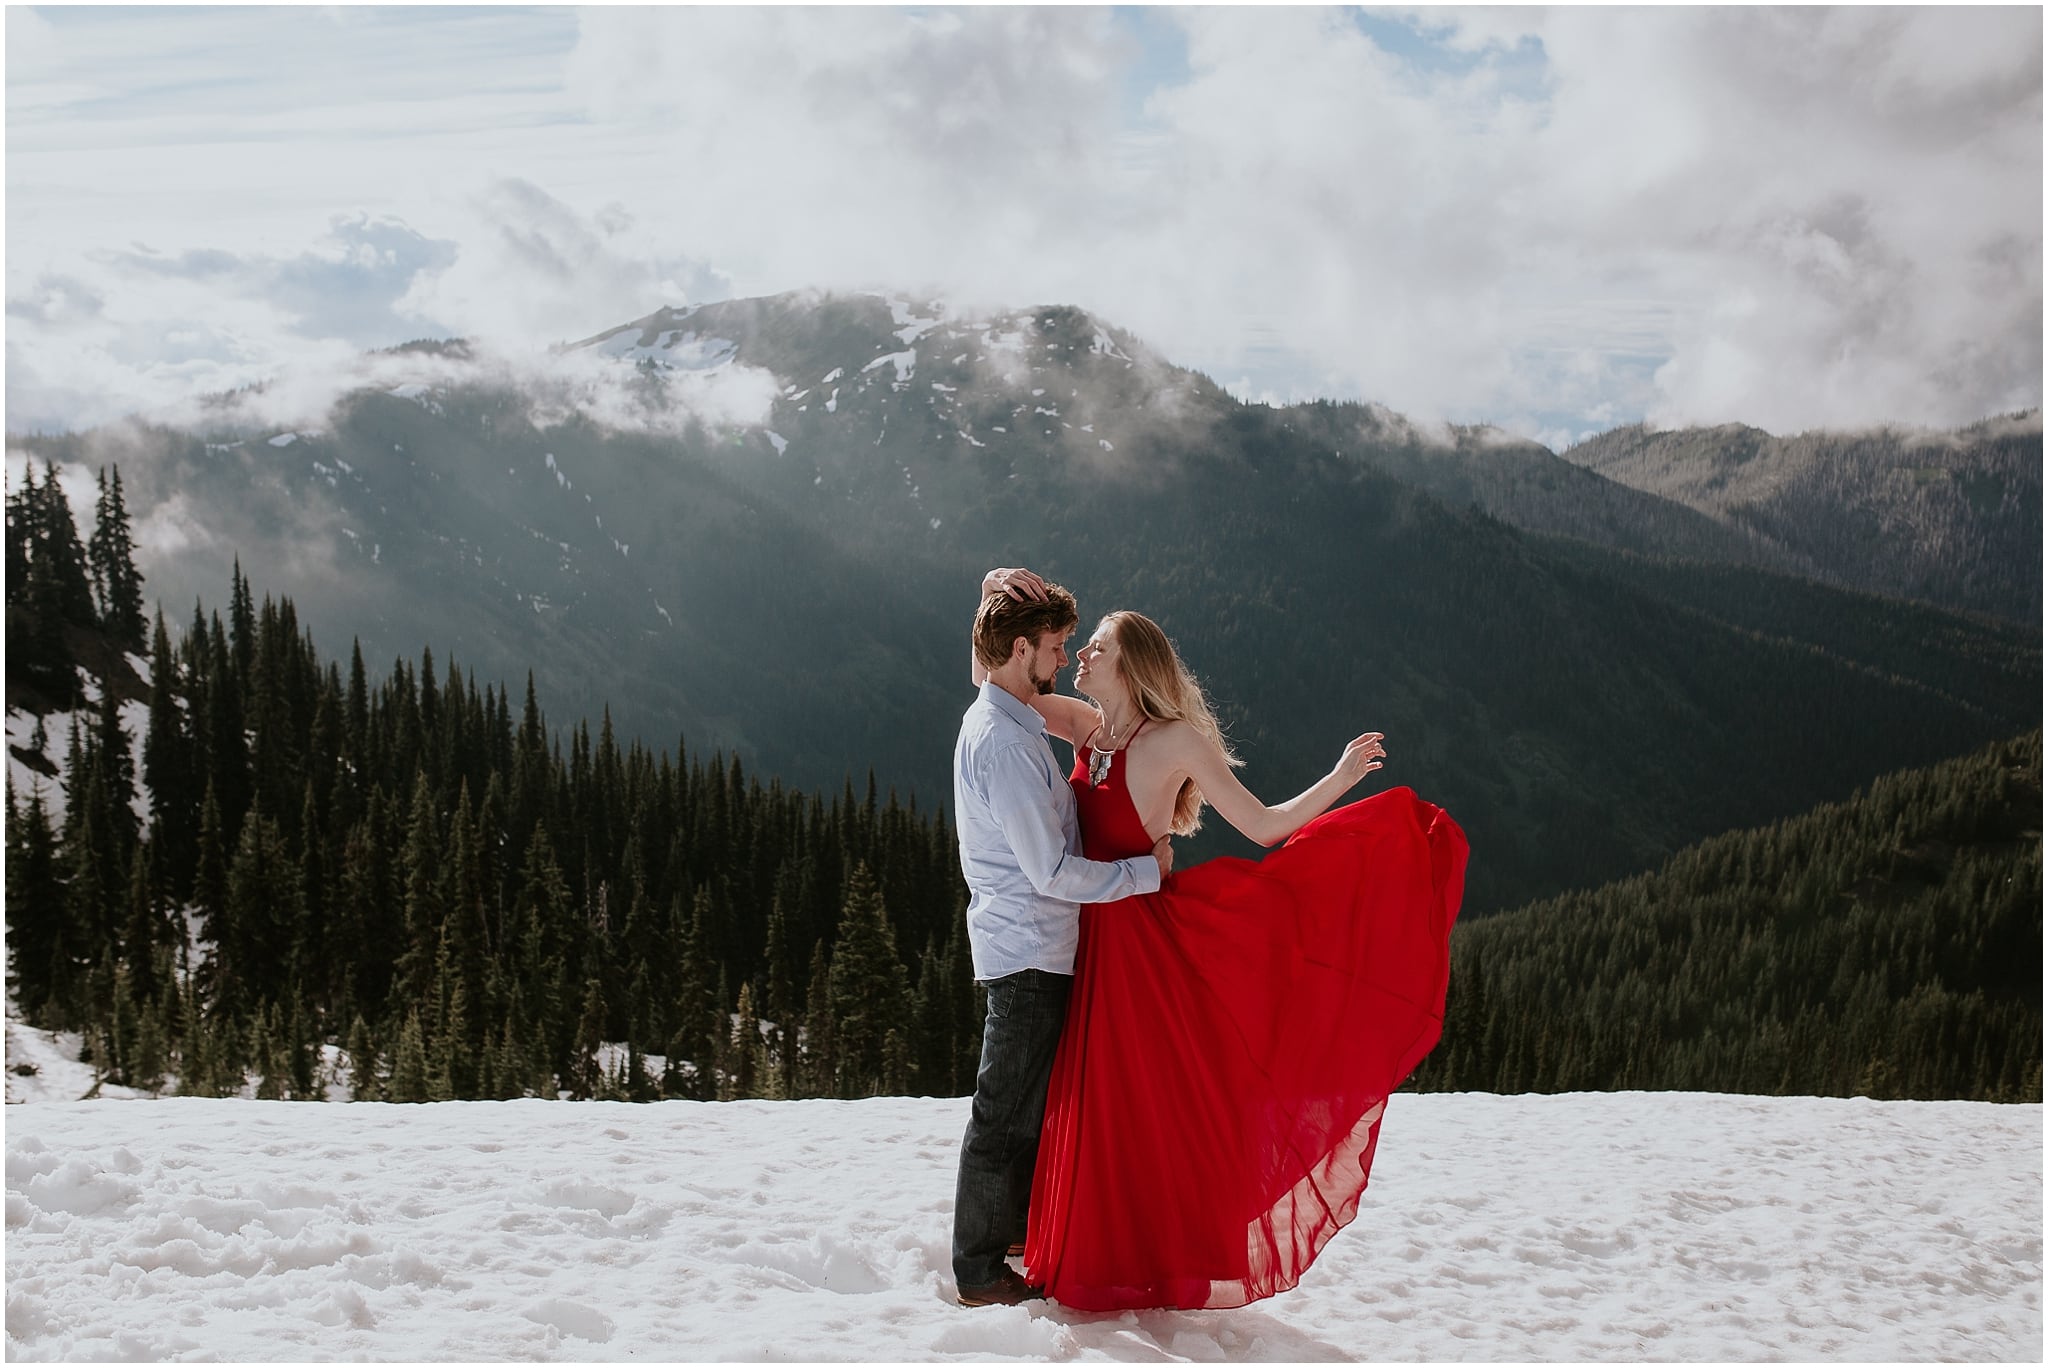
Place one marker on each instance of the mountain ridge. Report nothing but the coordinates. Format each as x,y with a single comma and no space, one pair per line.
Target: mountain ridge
772,554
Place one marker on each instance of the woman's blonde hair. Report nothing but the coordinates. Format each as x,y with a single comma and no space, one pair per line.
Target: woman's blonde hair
1164,691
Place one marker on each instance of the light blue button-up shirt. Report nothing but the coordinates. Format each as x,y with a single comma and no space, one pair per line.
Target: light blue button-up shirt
1020,843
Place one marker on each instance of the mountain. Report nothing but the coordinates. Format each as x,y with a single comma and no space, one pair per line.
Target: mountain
757,526
1950,518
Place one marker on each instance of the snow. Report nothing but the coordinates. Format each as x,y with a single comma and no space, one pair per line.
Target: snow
21,730
1621,1226
901,312
672,349
58,738
904,361
1105,345
284,439
837,371
56,1075
781,442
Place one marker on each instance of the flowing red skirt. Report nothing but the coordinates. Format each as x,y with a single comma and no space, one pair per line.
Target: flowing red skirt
1229,1049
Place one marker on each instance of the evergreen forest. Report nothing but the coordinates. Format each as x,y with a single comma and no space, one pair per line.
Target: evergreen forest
1888,946
422,874
268,872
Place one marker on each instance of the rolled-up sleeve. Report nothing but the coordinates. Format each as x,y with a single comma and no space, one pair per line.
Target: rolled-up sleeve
1015,781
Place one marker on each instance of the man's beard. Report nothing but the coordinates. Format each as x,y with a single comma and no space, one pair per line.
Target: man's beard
1044,686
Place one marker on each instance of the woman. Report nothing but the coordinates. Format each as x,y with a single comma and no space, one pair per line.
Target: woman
1231,1040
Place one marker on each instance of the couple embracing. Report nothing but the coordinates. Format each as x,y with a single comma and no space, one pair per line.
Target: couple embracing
1182,1077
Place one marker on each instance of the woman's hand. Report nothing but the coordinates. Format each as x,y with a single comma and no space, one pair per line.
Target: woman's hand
1017,582
1361,757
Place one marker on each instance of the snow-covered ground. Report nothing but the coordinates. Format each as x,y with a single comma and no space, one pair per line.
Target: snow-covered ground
1581,1227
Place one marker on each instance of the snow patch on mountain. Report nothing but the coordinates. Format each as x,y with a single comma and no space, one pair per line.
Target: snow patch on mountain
672,349
905,363
420,394
910,324
1105,345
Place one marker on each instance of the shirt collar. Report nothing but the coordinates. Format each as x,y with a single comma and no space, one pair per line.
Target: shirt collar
1023,714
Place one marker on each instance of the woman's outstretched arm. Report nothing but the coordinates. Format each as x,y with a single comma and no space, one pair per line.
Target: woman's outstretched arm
1201,760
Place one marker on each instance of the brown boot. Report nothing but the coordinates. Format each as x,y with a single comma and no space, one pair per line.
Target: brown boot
1007,1290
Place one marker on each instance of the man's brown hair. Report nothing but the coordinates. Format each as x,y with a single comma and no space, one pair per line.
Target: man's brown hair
1002,619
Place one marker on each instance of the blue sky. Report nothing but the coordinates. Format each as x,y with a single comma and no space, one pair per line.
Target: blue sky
1553,220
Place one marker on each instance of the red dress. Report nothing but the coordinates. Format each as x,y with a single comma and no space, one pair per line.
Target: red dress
1229,1048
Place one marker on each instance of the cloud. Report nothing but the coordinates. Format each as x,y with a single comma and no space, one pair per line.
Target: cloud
163,334
533,269
1555,219
348,286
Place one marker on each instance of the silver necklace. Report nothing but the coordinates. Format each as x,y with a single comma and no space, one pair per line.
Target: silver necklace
1099,760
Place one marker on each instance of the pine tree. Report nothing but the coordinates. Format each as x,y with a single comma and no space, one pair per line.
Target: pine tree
455,1057
36,913
697,1008
423,898
19,515
195,1054
146,1069
23,505
142,934
362,1063
589,1041
870,990
242,628
409,1064
820,1062
167,770
58,558
267,1056
265,906
301,1050
117,584
84,933
746,1048
53,594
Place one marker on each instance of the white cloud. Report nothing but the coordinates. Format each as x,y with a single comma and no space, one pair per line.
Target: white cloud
1554,219
532,269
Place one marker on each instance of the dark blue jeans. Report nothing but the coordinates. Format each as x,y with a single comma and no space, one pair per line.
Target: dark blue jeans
1026,1011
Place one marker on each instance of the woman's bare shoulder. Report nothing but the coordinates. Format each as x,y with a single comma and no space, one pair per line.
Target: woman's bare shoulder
1171,736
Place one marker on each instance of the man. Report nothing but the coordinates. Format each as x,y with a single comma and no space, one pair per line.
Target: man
1020,849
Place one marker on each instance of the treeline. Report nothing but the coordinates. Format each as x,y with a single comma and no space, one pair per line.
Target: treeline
63,594
281,865
1888,946
414,876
